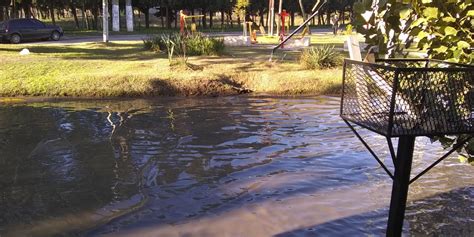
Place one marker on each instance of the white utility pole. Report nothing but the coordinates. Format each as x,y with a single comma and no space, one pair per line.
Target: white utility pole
129,15
105,20
115,15
271,17
280,8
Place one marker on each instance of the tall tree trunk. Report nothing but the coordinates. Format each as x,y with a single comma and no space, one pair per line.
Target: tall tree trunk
175,17
51,14
168,18
14,10
38,13
74,14
115,16
292,18
211,22
85,22
95,13
162,19
147,18
262,17
2,13
129,15
342,17
27,10
203,19
229,15
222,18
328,17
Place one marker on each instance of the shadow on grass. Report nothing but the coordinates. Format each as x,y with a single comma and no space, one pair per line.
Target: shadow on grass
92,51
222,86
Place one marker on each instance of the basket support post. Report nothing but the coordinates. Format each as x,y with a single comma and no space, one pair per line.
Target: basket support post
401,182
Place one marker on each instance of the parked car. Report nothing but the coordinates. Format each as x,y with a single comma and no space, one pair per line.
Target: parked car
18,30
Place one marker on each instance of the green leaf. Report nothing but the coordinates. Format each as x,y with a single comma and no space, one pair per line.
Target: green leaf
422,34
470,13
449,19
418,21
457,53
426,1
430,12
450,30
405,13
463,44
441,49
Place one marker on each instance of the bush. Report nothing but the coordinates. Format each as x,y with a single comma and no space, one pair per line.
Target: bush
193,45
152,43
319,57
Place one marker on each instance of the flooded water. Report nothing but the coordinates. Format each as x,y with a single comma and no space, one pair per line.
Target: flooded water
234,166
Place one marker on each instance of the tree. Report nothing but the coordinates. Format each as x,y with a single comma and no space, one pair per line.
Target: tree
444,28
3,5
144,6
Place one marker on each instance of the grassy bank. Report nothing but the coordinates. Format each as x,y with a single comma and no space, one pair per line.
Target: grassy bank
125,69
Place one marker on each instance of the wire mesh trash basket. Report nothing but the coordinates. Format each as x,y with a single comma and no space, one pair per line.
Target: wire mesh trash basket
406,98
409,97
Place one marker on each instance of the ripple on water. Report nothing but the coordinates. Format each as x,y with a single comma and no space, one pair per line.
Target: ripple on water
278,166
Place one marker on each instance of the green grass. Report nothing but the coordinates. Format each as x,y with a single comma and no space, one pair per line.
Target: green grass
316,39
126,69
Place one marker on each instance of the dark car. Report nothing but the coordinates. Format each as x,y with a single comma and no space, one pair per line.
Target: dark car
18,30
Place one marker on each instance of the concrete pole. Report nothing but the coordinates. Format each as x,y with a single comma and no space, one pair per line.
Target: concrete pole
272,17
105,20
129,14
115,15
280,8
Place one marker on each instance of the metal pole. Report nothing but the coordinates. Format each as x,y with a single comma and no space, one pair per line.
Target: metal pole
105,20
316,9
400,186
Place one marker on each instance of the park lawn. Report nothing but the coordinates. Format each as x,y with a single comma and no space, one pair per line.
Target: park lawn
126,69
316,39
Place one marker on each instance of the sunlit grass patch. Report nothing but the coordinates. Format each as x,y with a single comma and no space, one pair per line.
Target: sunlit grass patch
126,69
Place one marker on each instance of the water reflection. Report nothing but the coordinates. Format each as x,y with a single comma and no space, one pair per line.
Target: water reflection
284,166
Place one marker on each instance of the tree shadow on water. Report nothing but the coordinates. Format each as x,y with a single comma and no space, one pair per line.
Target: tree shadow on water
443,214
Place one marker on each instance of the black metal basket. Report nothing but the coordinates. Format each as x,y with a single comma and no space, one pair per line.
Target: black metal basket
409,97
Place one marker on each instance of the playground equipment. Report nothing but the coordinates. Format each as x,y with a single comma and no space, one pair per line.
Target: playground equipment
252,32
315,11
283,16
183,25
406,98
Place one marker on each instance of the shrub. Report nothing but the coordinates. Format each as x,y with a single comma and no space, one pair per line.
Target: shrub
319,57
152,43
349,30
193,45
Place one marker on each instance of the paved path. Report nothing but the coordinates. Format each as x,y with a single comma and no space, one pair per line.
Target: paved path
138,37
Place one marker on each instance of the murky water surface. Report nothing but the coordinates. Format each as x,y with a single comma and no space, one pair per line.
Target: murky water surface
236,166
